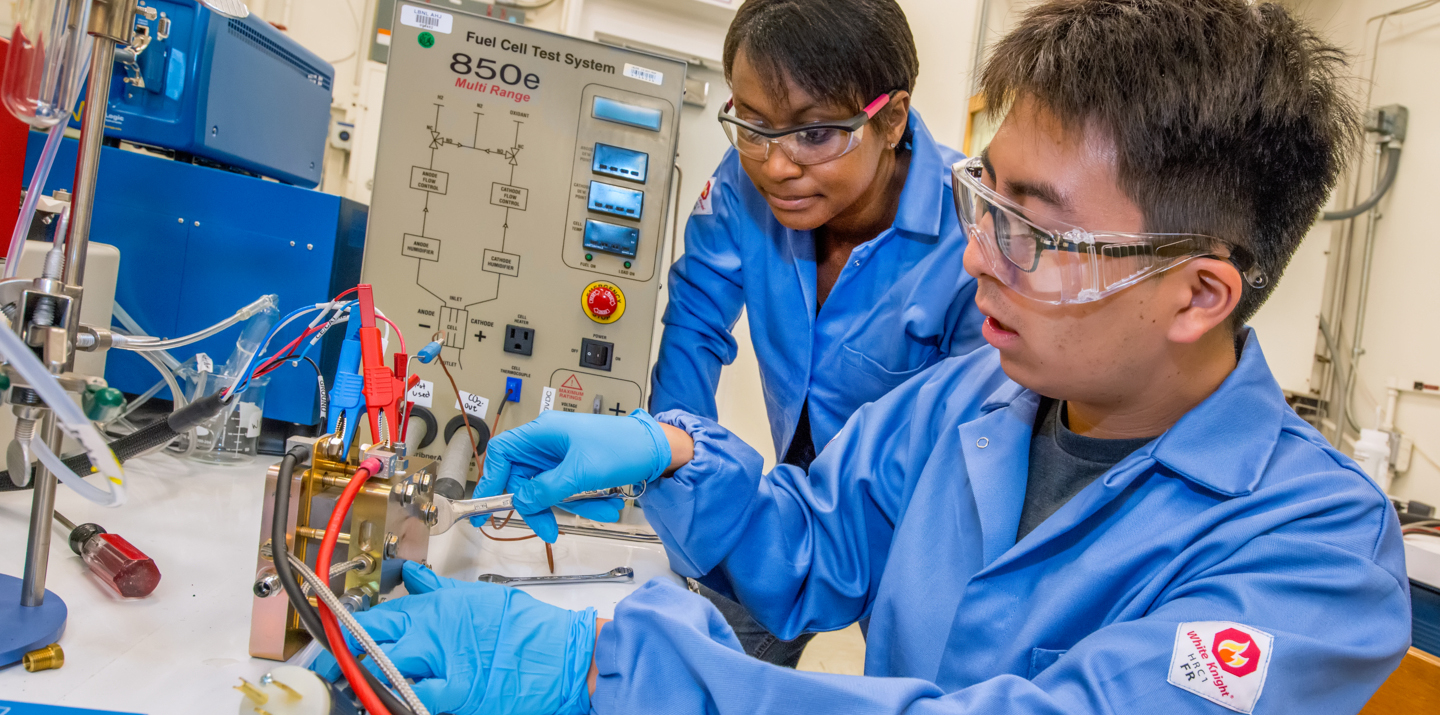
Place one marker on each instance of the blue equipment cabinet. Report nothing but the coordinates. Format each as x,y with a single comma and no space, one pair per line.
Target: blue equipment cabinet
196,244
236,93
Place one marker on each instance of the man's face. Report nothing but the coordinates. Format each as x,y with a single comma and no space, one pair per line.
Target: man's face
1092,352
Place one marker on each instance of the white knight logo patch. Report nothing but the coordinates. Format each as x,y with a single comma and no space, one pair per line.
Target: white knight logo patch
1223,662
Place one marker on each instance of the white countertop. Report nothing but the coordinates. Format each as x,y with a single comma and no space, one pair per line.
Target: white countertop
184,647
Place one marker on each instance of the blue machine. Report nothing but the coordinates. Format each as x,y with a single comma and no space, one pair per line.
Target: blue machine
235,93
196,244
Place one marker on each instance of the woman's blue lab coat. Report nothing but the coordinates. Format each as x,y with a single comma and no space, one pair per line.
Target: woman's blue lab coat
1238,525
902,303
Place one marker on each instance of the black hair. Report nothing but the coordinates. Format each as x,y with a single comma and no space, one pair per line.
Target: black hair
1228,119
844,52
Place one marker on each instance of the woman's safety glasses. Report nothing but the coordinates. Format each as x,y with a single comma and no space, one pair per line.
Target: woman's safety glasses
1054,262
807,144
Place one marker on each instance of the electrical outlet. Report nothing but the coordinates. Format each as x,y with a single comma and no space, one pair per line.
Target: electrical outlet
512,389
519,339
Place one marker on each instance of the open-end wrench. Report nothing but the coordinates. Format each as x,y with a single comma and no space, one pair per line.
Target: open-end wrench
622,573
443,512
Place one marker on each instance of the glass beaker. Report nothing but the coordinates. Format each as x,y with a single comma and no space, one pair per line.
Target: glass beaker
233,436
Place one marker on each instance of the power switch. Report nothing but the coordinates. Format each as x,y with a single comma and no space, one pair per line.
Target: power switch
596,354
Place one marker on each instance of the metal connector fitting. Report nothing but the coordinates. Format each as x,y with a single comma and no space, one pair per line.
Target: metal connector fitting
392,546
48,658
267,586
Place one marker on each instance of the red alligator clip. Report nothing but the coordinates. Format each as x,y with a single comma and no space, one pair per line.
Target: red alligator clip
383,390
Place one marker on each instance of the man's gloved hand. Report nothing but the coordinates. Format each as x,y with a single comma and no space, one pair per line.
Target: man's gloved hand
560,454
480,648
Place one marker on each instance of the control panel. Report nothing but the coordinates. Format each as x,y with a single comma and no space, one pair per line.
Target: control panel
522,191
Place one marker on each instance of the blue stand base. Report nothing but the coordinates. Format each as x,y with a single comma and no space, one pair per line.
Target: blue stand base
24,629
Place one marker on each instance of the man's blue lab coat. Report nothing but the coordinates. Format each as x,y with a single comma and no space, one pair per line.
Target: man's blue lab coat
1239,535
903,302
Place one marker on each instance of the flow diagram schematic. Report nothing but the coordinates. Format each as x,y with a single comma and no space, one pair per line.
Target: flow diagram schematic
519,212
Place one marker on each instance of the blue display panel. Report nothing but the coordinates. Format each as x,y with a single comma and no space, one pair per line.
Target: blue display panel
615,200
620,163
627,114
610,238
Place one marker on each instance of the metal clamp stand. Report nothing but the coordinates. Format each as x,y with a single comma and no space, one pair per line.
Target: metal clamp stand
47,316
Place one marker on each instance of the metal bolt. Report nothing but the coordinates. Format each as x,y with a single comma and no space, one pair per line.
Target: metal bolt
292,243
407,494
426,480
266,586
309,246
392,546
181,219
197,223
432,516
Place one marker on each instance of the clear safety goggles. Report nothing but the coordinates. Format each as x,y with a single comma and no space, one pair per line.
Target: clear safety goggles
1055,262
807,144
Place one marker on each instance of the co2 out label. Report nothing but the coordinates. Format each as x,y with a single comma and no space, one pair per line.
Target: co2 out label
474,405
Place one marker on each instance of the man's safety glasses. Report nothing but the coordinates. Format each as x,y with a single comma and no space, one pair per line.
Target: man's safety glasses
1055,262
807,144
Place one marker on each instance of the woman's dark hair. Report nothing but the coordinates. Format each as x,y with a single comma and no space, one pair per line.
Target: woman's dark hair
1228,119
845,52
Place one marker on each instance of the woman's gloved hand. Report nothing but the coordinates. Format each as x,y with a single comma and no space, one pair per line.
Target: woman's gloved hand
560,454
480,648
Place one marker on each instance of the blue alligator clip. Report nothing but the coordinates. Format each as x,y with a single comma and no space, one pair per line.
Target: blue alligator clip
347,396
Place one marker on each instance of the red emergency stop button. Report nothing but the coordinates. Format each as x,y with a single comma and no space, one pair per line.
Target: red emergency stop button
603,302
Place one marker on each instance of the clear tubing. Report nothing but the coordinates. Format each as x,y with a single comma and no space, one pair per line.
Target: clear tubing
69,414
136,331
32,196
49,48
250,338
112,498
147,344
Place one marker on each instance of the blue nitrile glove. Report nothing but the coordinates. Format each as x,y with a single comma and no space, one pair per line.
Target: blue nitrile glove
560,454
480,648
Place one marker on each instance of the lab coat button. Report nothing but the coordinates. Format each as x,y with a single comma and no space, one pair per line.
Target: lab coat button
983,442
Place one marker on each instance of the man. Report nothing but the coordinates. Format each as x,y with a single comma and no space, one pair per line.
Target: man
1111,509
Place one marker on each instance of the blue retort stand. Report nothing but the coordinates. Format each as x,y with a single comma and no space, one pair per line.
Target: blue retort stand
23,629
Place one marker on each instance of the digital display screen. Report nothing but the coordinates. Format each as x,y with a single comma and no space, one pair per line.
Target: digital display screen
620,163
616,200
628,114
610,238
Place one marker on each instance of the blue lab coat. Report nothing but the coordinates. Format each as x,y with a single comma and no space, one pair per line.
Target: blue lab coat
903,302
1240,513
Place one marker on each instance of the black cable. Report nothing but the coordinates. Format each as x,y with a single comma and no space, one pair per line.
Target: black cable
142,441
309,617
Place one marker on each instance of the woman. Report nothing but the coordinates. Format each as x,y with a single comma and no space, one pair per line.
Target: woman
831,223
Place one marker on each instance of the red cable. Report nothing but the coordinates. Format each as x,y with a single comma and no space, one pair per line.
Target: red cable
342,295
397,333
338,648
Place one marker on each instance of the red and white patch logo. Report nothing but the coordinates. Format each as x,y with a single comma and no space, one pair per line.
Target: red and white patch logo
705,206
1223,662
1236,651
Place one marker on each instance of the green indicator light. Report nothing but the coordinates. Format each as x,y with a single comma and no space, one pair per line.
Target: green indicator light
627,264
427,40
589,257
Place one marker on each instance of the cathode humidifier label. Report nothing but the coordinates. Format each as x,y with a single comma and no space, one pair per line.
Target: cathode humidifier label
474,405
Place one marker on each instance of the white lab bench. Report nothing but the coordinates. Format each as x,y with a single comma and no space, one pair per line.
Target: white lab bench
182,649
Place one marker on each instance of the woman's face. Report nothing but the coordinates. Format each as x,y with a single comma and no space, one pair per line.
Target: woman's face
805,198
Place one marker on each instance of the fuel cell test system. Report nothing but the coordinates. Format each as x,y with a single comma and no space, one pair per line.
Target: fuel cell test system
521,196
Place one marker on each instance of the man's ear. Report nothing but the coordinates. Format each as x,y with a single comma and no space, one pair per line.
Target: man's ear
1212,289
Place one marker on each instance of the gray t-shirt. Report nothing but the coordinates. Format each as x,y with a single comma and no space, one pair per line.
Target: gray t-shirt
1062,463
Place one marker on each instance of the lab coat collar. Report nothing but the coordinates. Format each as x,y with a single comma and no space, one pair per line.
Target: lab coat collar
1242,419
921,200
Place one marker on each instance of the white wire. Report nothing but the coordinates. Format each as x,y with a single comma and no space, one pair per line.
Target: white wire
371,647
112,498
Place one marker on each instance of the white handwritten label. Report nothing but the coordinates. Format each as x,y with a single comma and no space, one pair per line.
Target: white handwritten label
426,19
547,399
474,405
644,74
203,363
422,394
250,419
